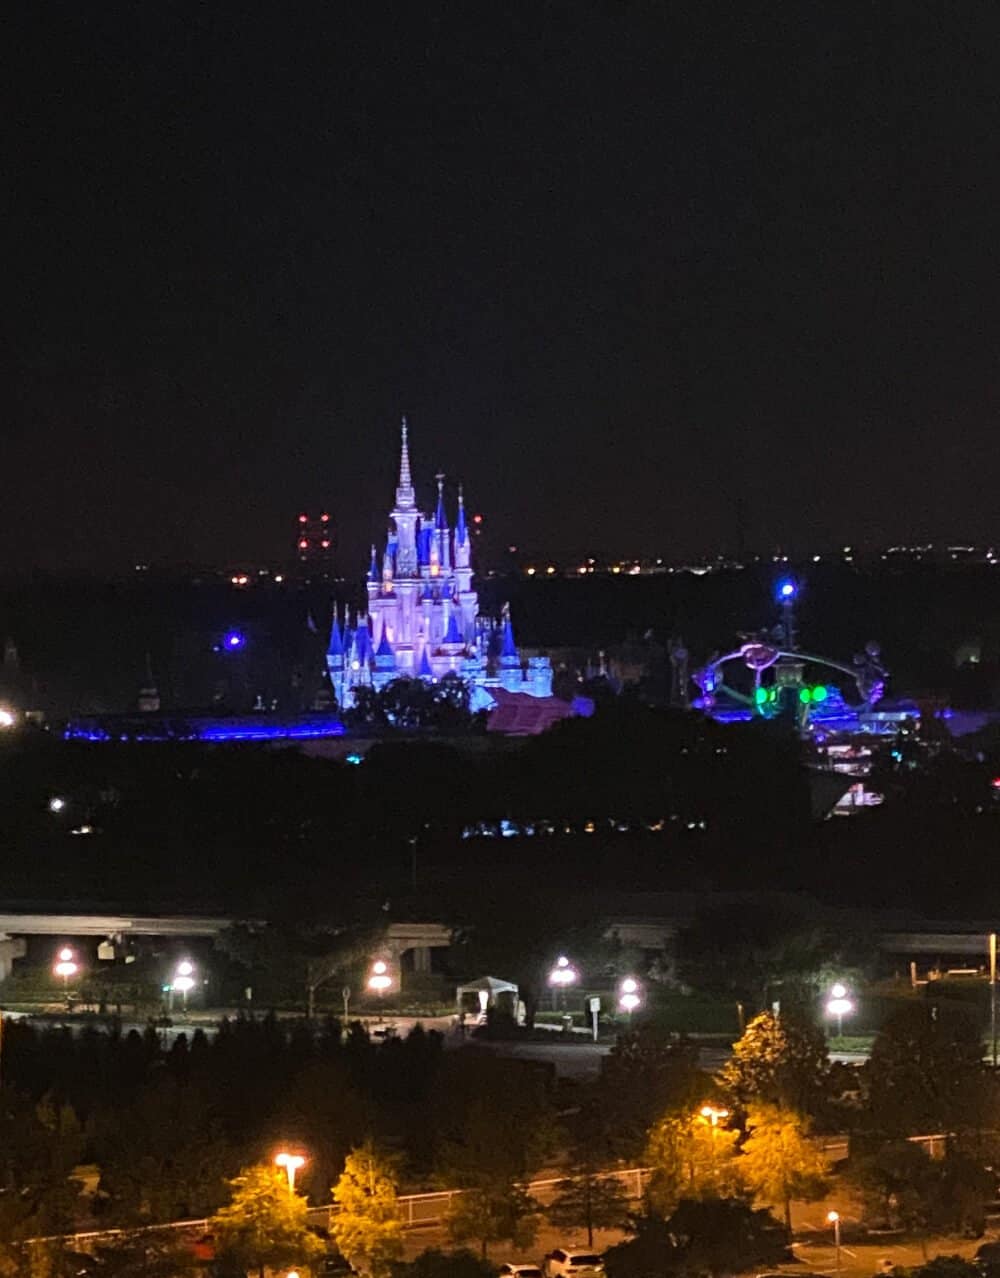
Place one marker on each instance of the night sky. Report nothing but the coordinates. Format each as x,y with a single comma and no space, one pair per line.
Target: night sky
620,263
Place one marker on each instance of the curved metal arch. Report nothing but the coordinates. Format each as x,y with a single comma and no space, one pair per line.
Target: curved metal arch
738,654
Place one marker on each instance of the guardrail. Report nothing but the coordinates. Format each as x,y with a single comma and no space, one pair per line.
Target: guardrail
418,1210
422,1210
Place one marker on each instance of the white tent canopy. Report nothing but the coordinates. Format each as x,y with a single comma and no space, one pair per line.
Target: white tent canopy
487,989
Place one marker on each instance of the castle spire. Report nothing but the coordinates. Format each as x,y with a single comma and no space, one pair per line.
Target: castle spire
373,566
440,522
405,497
461,531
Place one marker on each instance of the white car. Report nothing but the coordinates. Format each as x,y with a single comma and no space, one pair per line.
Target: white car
520,1271
573,1264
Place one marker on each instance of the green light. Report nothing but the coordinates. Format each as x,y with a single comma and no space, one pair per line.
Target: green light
820,693
805,696
760,695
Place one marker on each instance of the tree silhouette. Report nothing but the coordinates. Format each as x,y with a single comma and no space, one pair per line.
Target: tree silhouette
779,1162
368,1229
780,1060
589,1201
265,1224
691,1160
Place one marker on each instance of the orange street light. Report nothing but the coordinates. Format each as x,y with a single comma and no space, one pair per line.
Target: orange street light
834,1219
291,1164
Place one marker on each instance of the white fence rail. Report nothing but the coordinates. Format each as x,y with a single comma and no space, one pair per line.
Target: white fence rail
419,1210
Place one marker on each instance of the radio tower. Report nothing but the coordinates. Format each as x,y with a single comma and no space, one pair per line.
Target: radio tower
314,544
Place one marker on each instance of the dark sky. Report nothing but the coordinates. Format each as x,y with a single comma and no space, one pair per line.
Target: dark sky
620,263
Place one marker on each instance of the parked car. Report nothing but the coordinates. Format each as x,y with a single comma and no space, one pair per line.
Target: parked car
987,1258
573,1264
520,1271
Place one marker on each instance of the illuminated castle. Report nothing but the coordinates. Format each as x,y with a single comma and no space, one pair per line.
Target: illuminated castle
423,617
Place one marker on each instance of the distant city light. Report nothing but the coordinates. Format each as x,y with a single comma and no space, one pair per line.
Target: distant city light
304,544
234,640
302,519
56,804
477,519
786,589
325,519
7,717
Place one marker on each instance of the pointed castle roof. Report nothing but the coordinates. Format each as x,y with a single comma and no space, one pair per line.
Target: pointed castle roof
440,519
453,634
336,646
362,642
384,655
424,670
508,648
405,497
461,531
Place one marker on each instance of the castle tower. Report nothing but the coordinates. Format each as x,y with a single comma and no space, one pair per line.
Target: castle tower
510,672
468,600
405,515
422,618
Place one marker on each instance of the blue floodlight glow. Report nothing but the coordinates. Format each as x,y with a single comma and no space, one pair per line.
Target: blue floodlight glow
234,640
209,730
787,590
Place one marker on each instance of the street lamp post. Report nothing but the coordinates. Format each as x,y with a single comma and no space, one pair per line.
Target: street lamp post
66,967
379,981
562,975
183,981
839,1005
834,1219
713,1115
291,1164
629,996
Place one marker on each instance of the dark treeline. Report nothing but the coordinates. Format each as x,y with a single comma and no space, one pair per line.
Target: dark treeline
166,1126
630,799
247,828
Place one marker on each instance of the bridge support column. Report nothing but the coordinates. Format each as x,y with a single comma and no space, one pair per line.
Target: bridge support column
421,958
11,948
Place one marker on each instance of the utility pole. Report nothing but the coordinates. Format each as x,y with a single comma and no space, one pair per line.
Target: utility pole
993,996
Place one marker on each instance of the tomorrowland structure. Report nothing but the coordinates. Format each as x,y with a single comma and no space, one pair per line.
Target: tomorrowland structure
422,619
769,676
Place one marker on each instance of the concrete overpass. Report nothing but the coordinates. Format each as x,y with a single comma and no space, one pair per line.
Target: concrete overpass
113,929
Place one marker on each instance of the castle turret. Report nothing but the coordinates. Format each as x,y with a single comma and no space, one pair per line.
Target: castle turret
442,535
511,675
335,660
385,662
468,600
